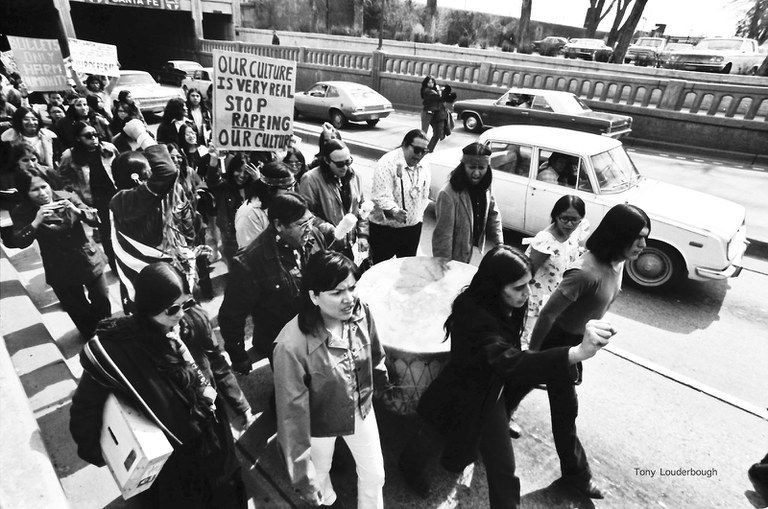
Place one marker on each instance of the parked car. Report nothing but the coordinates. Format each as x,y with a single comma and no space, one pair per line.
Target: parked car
671,48
173,72
539,107
727,55
148,94
550,46
693,234
588,49
201,79
342,101
645,51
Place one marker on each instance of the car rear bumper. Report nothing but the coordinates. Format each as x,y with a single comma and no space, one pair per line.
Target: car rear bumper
618,134
359,116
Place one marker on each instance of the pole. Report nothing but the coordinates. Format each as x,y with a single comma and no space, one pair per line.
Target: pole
381,25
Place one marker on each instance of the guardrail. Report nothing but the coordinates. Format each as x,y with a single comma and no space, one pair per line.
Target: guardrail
731,117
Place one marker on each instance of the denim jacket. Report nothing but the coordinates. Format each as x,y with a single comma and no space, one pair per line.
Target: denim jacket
315,380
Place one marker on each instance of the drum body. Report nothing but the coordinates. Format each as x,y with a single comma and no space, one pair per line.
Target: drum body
410,299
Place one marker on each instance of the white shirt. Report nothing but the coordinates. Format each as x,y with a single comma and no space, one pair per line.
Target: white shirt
409,192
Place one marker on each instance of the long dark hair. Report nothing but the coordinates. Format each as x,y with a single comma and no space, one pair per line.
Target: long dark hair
202,106
234,164
323,272
501,266
459,179
620,227
17,119
174,110
23,181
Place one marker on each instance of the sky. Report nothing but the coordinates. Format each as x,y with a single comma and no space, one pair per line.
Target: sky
682,17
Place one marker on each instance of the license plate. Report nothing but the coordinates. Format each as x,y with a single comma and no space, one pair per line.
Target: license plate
374,117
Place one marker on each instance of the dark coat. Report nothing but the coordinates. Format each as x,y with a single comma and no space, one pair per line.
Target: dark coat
485,358
192,468
69,256
263,281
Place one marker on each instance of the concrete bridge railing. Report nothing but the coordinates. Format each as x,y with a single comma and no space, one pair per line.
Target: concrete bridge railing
729,117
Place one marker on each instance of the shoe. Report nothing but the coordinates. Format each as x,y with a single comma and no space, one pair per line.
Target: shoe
589,489
514,429
414,478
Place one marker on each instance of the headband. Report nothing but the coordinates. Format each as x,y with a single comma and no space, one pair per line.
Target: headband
283,182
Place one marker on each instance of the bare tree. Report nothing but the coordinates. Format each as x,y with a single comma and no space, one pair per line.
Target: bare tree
357,25
523,37
754,24
431,11
627,31
595,14
621,9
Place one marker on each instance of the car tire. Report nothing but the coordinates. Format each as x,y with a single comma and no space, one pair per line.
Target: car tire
727,68
338,120
472,123
372,122
659,266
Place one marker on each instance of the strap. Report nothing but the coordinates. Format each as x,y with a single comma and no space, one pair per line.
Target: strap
97,348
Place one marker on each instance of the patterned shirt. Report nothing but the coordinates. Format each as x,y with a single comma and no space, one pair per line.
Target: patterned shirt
410,191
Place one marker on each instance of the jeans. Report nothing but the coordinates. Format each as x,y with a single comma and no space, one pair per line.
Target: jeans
366,449
86,312
426,120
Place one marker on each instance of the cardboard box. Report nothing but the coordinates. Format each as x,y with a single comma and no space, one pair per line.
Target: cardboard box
134,448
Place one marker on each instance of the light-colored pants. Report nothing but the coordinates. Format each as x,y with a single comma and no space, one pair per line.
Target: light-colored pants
369,461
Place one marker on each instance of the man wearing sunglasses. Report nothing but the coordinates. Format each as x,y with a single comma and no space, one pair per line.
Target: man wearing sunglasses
265,278
333,190
401,194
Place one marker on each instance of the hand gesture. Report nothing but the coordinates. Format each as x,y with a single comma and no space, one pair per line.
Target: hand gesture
597,333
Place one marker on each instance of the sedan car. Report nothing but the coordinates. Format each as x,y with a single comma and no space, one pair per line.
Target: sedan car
201,79
146,92
671,48
540,107
727,55
693,234
550,46
588,49
645,51
173,72
342,101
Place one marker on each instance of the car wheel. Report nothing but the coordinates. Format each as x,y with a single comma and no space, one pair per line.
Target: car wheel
658,266
752,71
727,68
338,120
472,123
372,122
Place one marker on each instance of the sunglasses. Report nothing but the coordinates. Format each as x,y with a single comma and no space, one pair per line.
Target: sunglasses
90,136
418,150
179,307
342,164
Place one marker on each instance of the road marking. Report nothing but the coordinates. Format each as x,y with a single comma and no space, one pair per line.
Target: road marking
688,382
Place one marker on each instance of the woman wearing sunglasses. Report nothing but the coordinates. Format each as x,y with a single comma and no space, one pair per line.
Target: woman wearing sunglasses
329,364
167,351
334,190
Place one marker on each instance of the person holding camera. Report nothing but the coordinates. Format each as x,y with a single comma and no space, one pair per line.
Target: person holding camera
70,259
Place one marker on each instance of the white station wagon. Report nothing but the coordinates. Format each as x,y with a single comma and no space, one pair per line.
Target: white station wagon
693,234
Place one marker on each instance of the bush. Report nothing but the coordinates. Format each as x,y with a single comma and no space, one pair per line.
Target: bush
463,41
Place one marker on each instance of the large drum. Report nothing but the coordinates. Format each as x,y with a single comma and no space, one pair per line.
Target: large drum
410,298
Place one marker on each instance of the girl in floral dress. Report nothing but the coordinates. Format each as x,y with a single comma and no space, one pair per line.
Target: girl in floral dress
552,251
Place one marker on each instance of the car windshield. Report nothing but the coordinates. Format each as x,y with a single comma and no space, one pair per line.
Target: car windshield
614,170
567,104
719,44
127,80
655,43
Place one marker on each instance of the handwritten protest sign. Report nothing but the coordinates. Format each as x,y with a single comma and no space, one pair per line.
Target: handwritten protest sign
39,63
252,101
94,57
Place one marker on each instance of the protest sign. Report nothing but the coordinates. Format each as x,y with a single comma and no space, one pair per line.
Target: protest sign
252,101
94,57
39,63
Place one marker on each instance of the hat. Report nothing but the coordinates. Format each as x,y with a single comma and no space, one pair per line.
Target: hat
277,174
157,286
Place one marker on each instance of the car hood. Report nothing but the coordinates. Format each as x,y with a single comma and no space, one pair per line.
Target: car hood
701,52
685,207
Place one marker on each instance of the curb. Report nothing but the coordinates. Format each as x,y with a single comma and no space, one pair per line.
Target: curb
756,248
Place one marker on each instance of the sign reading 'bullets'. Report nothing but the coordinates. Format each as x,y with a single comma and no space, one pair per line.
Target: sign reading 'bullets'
253,101
39,63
